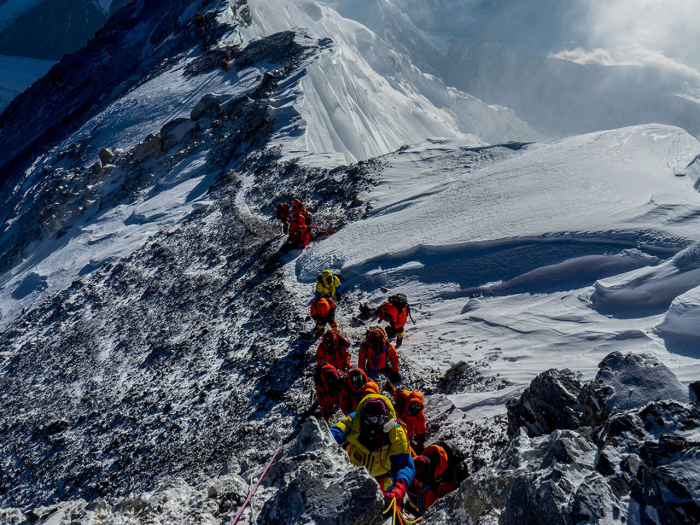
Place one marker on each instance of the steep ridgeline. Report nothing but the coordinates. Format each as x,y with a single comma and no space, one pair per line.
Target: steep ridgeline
171,360
183,350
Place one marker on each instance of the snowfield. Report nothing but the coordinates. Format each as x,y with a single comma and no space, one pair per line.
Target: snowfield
564,240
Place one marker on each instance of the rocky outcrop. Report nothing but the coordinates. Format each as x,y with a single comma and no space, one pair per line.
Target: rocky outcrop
639,466
175,130
628,382
550,403
694,389
151,145
208,106
315,483
106,156
310,481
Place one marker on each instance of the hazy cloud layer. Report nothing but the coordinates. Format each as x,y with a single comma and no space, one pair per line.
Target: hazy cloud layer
654,33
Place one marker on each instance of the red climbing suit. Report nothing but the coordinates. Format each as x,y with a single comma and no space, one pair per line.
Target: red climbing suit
328,381
299,232
396,319
437,478
334,351
323,311
355,387
283,215
378,358
413,424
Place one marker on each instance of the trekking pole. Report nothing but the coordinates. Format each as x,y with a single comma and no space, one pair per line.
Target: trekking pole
256,487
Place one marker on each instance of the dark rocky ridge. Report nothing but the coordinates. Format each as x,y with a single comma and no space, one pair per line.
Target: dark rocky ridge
639,465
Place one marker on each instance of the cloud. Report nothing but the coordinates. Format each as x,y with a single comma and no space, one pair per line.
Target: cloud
661,34
630,55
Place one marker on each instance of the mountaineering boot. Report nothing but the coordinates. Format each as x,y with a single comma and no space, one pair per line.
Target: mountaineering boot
399,339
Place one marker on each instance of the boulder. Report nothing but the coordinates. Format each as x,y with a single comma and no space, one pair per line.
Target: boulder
651,456
230,488
106,156
96,168
319,485
628,382
174,131
152,145
208,106
549,403
694,390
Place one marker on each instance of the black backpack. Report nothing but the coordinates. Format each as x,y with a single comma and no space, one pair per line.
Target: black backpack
455,456
399,301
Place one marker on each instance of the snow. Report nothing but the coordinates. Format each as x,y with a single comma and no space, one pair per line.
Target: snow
108,237
17,74
362,98
532,228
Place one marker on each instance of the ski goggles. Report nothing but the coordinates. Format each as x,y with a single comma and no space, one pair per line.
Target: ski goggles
357,380
374,421
414,409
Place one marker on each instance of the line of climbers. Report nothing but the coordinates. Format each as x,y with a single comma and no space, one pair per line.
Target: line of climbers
386,438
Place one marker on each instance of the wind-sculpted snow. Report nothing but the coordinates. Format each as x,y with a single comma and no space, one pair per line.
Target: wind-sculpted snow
363,98
617,187
649,290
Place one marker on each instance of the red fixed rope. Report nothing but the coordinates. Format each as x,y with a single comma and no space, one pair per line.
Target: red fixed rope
255,488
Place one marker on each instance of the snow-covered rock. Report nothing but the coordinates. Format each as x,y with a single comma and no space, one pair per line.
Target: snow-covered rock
106,156
626,382
208,106
640,466
151,145
550,403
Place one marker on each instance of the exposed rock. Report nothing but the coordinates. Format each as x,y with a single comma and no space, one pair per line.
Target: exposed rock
208,106
549,403
152,145
97,167
235,107
653,454
642,468
175,130
694,389
319,485
106,156
628,382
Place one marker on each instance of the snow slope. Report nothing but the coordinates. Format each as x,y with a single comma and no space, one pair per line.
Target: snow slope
532,228
17,74
363,98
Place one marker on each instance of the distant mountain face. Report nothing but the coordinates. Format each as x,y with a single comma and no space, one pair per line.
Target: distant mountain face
51,29
556,97
559,96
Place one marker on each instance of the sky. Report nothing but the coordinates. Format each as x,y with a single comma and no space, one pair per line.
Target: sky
654,33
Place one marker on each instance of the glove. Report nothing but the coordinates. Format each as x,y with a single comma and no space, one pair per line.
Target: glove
397,491
395,378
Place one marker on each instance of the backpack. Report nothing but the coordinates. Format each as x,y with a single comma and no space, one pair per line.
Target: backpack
308,216
399,301
455,456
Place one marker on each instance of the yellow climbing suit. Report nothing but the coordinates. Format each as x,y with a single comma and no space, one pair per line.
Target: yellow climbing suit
327,283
